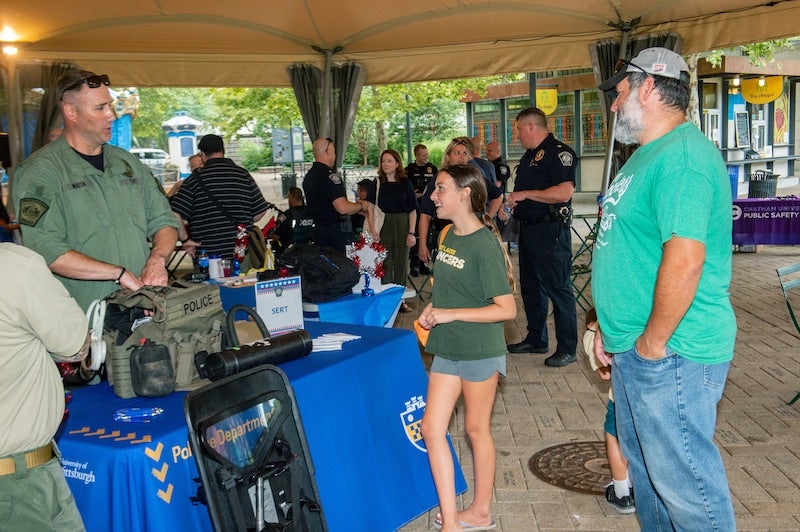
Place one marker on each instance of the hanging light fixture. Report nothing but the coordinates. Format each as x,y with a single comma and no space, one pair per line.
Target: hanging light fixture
762,81
736,80
10,49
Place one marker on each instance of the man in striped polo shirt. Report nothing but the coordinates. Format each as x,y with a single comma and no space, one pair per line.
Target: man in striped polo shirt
218,197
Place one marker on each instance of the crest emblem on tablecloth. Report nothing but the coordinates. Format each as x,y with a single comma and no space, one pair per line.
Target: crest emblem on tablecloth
411,419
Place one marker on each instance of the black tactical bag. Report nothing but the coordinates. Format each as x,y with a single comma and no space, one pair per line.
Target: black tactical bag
325,274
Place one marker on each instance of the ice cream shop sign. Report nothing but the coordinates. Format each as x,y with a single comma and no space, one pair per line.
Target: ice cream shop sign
762,90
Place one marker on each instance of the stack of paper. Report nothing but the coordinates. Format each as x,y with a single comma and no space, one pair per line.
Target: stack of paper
331,341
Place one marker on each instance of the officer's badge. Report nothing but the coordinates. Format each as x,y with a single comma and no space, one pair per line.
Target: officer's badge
335,178
566,158
428,170
412,419
31,211
539,156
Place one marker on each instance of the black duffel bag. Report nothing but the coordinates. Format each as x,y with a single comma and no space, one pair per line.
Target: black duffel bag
325,273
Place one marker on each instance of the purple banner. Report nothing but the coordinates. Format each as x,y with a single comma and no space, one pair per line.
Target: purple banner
766,221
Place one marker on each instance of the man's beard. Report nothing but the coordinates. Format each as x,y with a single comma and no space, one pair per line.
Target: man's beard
629,121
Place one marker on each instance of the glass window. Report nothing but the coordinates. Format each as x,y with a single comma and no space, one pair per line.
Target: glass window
486,121
513,107
709,95
593,123
562,121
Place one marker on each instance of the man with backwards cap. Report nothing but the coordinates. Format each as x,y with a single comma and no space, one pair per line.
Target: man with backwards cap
661,271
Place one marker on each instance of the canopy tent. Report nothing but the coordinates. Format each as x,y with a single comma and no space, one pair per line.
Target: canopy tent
201,43
246,43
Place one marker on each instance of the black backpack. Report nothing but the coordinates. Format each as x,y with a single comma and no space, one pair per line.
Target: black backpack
325,273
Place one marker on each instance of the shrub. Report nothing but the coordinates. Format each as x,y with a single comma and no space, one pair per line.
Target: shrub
254,157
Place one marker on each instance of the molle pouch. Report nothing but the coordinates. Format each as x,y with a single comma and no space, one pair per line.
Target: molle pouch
152,374
183,318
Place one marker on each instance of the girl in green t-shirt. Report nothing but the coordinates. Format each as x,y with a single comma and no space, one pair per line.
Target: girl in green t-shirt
472,297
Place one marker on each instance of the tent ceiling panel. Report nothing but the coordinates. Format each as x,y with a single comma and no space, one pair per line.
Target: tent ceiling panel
250,43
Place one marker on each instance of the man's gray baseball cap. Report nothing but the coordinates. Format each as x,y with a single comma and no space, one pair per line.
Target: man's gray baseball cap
654,62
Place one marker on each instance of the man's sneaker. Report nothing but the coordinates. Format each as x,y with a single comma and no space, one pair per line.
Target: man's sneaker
623,505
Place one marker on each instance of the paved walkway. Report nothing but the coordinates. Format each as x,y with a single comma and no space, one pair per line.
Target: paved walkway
538,407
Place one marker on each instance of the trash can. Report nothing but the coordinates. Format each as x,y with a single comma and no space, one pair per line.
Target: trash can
733,174
763,184
288,180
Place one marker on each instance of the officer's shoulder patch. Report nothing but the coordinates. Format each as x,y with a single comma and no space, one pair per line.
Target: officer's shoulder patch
31,211
566,158
503,170
335,178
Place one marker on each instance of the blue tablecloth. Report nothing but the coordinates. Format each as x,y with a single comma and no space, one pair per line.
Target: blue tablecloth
354,308
766,221
360,409
130,476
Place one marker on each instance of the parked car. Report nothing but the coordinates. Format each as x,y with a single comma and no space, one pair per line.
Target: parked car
152,156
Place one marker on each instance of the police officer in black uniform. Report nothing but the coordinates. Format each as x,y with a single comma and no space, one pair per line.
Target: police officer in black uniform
327,199
542,202
420,172
501,169
295,225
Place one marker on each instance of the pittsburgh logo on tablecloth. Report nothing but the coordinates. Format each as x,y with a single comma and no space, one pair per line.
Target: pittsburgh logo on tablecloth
411,419
78,471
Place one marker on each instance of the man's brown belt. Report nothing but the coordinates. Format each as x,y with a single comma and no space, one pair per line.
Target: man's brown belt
33,459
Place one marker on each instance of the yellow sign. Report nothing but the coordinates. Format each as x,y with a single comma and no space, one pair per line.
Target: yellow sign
755,93
547,100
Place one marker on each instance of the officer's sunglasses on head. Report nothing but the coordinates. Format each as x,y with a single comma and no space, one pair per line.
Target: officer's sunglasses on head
92,81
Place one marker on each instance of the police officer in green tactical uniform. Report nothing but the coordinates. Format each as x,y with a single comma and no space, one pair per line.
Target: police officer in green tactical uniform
92,210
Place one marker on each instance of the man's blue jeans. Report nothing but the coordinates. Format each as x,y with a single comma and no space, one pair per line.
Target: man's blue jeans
666,414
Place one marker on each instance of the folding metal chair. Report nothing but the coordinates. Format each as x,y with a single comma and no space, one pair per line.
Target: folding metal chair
581,275
175,261
789,281
420,289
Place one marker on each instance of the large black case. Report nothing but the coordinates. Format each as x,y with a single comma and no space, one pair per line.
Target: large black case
251,451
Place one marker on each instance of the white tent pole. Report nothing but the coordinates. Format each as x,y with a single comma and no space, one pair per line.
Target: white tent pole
623,50
14,94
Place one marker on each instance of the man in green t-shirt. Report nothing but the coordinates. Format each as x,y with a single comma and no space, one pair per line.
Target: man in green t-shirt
661,271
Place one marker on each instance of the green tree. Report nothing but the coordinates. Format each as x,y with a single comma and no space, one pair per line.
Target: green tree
433,106
759,53
157,105
257,109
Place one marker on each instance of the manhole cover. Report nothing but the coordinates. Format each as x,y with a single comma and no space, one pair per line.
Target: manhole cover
578,466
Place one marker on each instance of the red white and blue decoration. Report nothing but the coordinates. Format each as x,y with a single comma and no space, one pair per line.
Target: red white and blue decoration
368,256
